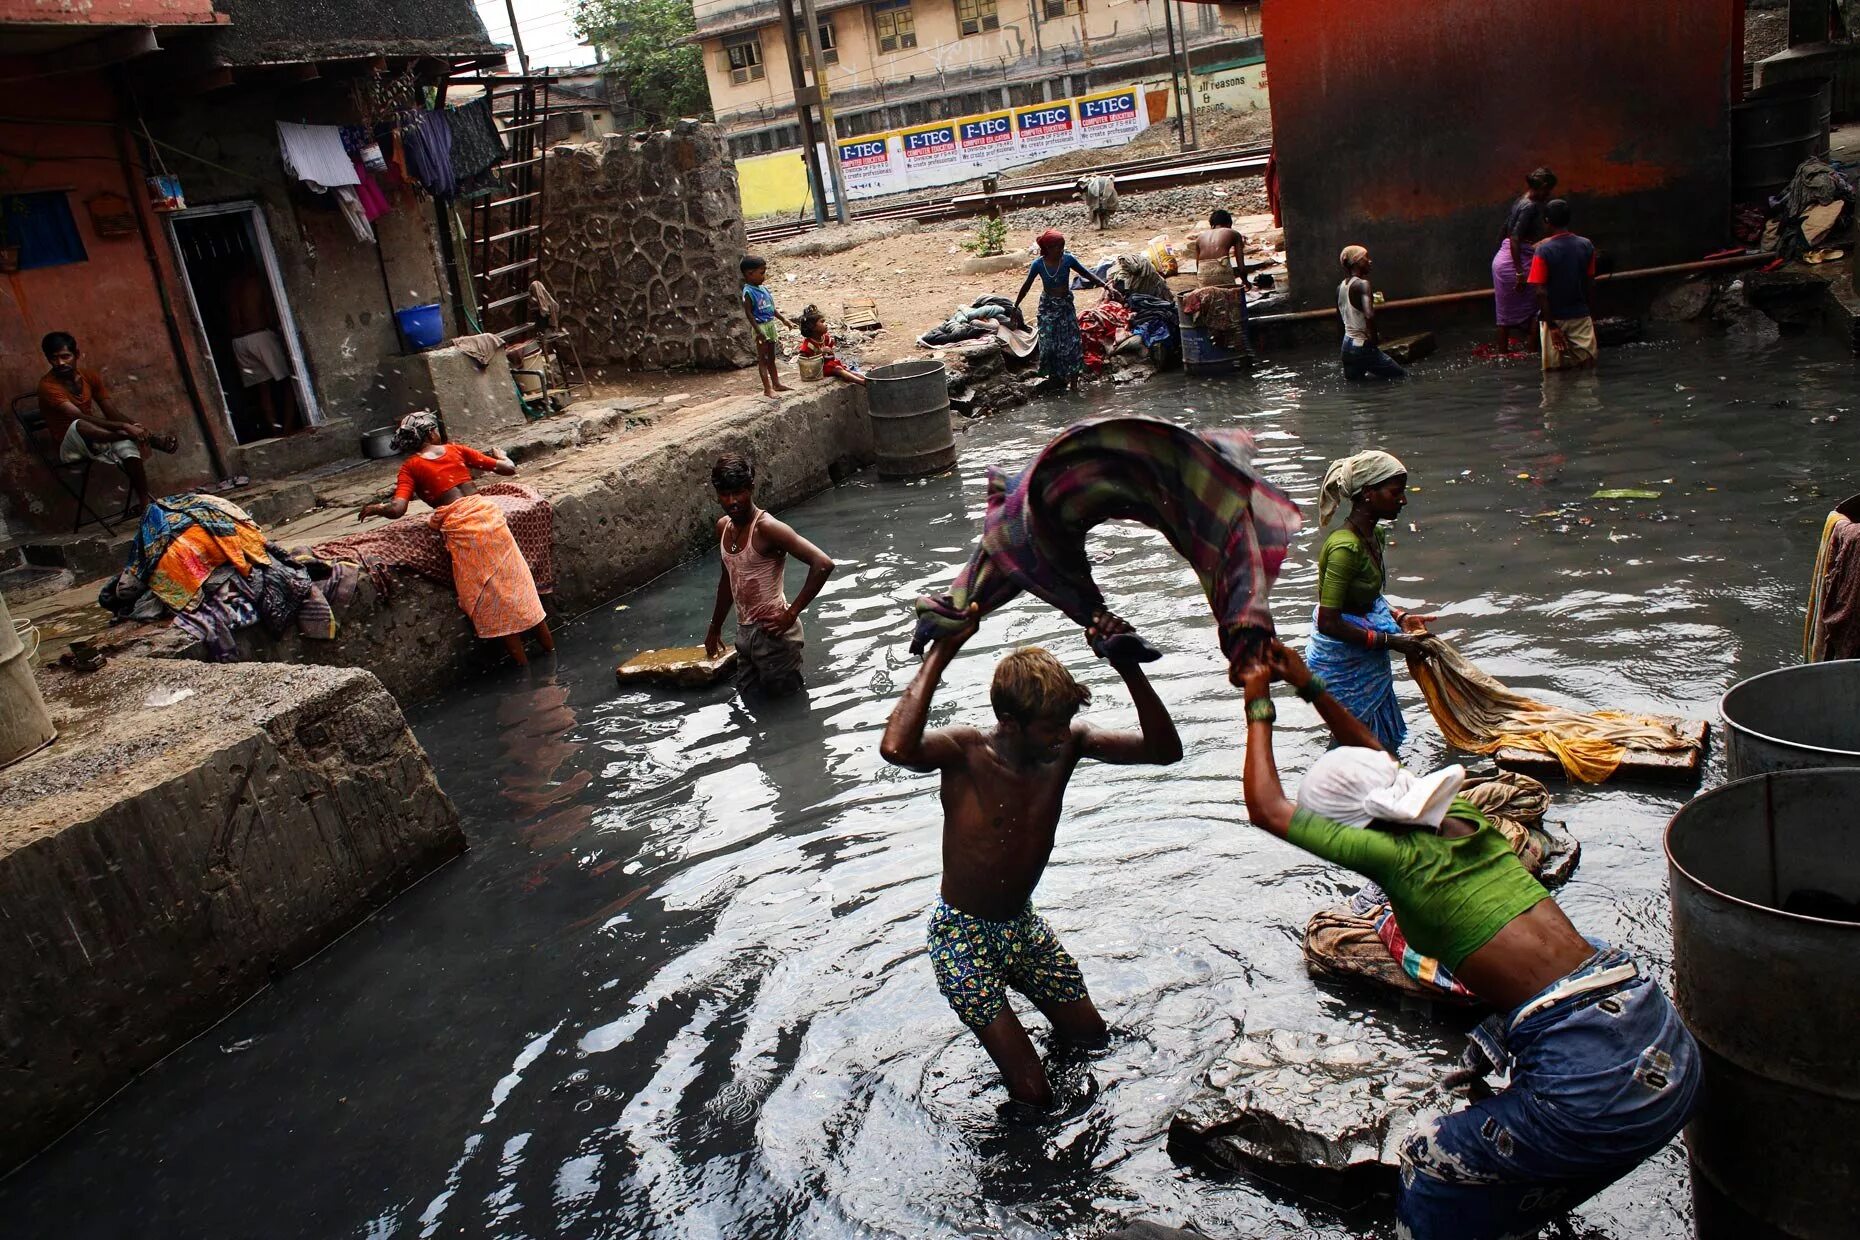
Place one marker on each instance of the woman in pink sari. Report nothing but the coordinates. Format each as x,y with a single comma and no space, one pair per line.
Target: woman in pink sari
1516,301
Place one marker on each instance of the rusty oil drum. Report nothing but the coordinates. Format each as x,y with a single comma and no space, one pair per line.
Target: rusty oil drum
1765,883
1794,718
911,430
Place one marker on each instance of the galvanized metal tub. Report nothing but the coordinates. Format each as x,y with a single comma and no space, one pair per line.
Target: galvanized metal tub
1766,969
911,430
25,724
1794,718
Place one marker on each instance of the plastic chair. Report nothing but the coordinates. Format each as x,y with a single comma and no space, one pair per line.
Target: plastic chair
38,438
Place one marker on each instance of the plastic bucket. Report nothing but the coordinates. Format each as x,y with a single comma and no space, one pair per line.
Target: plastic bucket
422,326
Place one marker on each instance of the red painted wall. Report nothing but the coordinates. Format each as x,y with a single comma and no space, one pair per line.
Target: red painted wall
1408,126
108,12
109,302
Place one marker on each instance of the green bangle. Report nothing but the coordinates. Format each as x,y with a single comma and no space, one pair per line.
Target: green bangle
1261,710
1314,688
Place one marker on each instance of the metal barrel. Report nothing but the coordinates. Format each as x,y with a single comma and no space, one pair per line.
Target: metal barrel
1773,131
911,430
25,724
1765,882
1794,718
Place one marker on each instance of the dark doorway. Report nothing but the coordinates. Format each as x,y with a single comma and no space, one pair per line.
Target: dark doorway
238,303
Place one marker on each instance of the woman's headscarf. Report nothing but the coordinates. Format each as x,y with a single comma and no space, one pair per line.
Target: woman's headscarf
414,428
1345,478
1352,255
1051,236
1356,787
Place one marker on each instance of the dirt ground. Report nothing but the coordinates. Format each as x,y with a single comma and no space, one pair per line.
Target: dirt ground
913,273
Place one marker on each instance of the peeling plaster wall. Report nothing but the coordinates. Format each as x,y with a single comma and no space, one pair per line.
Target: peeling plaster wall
642,246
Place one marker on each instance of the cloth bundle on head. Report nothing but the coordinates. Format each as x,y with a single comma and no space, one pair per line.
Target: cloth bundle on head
1352,255
414,428
1345,478
1357,786
1199,490
1051,236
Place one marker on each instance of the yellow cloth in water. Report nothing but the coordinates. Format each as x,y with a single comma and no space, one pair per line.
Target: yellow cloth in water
1478,714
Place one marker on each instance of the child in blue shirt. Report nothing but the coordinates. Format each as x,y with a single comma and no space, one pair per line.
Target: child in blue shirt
759,305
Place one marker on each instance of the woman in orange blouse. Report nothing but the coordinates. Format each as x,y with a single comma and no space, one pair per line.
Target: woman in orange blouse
494,583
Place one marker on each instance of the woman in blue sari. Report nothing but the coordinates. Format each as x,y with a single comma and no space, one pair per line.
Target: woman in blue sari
1355,630
1062,347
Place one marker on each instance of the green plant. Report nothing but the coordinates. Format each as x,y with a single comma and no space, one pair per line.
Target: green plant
990,237
647,55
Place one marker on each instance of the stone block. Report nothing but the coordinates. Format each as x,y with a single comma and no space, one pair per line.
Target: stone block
1410,349
196,829
276,505
1315,1114
476,403
335,440
87,555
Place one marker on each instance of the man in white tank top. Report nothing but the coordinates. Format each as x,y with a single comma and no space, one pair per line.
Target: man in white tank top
1363,357
755,548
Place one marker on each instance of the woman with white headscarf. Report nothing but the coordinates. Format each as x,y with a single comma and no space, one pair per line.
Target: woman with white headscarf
1355,630
1602,1071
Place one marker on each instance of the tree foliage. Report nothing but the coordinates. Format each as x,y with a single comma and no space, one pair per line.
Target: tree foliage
644,44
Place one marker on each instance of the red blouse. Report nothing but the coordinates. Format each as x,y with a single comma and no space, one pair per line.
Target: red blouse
432,477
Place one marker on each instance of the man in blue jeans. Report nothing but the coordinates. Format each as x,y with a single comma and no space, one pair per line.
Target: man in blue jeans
1356,306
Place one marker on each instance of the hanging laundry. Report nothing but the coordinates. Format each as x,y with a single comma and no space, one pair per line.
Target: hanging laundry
477,146
375,204
352,211
314,153
426,141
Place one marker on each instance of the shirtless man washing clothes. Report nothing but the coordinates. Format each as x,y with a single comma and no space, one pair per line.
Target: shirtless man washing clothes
1002,793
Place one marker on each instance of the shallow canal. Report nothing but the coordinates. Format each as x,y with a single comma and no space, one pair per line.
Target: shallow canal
678,986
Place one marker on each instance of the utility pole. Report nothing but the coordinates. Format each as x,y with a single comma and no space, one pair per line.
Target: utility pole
826,109
1188,77
804,112
1175,76
516,36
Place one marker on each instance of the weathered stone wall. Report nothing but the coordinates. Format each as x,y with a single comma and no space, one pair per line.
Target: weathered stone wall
642,250
196,829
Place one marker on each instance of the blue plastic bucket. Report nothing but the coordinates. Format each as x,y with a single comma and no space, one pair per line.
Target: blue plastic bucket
422,326
1201,356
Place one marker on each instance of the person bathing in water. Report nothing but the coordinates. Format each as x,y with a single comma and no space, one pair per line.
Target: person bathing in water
1602,1072
756,547
1002,794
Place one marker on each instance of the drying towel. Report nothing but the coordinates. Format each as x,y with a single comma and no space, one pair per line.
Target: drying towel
1220,312
1478,714
547,307
427,144
411,545
482,348
1199,490
1834,599
314,153
477,146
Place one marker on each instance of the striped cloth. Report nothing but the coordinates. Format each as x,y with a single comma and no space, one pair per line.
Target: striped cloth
1363,680
1199,490
412,545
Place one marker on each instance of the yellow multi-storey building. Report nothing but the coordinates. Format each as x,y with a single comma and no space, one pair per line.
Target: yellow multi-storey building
893,63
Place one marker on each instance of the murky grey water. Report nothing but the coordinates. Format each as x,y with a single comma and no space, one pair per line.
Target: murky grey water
678,986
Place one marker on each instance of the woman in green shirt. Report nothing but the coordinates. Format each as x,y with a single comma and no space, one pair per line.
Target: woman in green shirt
1355,630
1602,1071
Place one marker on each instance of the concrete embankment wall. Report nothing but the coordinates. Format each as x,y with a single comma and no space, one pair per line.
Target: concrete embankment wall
626,510
195,829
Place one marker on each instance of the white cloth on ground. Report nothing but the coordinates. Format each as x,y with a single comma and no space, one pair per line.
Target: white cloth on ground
314,153
1356,786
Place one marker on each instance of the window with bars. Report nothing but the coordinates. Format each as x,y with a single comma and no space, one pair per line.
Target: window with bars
1061,8
743,57
895,25
974,17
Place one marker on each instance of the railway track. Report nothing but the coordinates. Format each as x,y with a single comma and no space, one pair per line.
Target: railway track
1133,176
